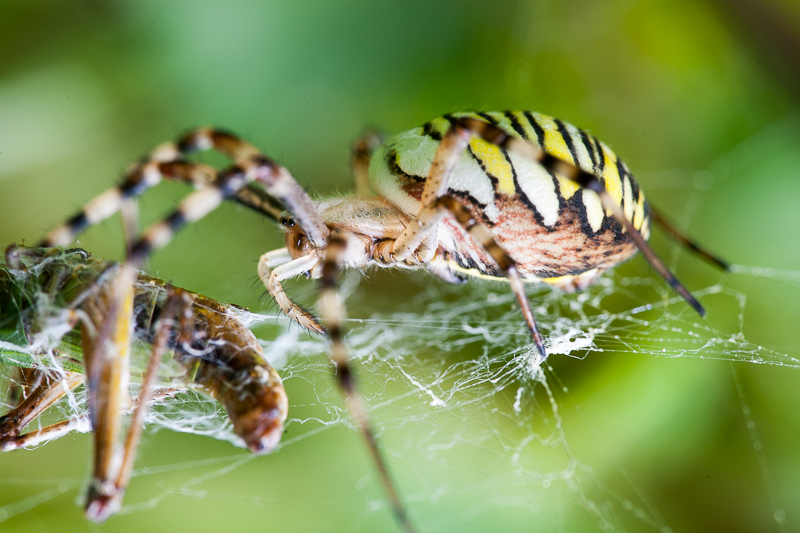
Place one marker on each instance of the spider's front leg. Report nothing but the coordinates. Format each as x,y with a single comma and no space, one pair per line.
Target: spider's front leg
332,313
326,263
168,161
343,248
107,354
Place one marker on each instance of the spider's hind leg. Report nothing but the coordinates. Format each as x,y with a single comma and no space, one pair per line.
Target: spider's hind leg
679,236
483,236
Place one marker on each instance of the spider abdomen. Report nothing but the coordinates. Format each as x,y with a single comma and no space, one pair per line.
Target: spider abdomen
547,223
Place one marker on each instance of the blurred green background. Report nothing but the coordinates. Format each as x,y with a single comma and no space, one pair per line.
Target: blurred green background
702,100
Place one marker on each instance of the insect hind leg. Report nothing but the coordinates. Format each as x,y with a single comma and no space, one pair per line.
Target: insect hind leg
42,390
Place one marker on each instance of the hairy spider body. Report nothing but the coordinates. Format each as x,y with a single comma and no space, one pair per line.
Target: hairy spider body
554,231
516,196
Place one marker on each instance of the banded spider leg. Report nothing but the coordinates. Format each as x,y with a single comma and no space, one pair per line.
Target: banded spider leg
167,161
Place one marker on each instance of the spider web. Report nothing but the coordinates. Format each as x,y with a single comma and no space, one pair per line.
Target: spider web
470,420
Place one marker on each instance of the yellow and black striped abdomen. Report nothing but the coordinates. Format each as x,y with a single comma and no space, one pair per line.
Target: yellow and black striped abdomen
547,223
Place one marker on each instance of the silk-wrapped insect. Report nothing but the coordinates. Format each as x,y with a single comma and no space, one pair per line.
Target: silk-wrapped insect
60,332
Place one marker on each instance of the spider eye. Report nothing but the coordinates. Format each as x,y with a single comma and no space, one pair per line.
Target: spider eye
289,222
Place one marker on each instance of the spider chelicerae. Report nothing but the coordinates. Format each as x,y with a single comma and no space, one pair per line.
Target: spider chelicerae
514,196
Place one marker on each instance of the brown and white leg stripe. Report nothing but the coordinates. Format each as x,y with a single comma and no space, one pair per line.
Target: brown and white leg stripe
192,208
280,184
166,162
274,178
452,145
283,190
332,313
207,138
138,180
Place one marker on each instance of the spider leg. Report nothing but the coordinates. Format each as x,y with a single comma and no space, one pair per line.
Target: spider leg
587,180
228,183
105,493
277,180
450,149
167,162
483,236
360,159
274,267
682,238
136,181
332,312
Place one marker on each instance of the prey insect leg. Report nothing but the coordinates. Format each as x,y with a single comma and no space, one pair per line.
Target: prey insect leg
37,400
108,354
105,494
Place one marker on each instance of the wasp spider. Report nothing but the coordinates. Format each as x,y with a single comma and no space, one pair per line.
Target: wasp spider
513,196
